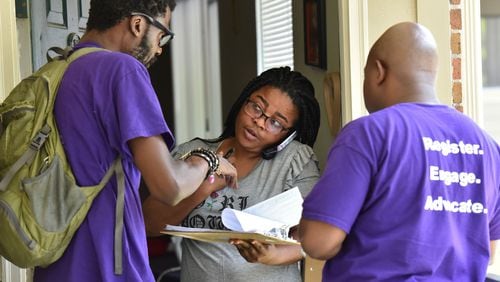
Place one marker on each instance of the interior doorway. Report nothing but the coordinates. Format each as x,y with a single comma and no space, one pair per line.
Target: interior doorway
490,44
161,78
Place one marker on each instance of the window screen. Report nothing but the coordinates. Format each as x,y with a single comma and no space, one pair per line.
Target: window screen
274,33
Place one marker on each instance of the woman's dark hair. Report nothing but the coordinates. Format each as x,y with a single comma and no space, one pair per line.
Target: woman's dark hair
297,87
104,14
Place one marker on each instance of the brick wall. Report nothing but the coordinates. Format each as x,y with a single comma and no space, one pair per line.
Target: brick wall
456,52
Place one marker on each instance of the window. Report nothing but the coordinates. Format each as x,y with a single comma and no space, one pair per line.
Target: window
274,34
490,29
490,43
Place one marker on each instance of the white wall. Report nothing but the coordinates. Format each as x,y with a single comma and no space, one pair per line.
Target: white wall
9,55
363,21
491,95
430,13
314,74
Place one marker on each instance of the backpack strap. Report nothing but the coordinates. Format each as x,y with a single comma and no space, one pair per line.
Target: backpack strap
60,53
39,139
27,157
120,203
70,56
68,53
117,169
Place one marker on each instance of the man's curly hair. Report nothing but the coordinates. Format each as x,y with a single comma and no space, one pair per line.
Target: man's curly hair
104,14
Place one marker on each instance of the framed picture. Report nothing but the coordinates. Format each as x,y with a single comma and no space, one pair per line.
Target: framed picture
315,33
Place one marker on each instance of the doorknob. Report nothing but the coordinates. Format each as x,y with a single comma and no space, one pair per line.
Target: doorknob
72,39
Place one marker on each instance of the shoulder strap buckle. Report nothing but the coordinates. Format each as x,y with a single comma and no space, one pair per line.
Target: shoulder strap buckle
39,139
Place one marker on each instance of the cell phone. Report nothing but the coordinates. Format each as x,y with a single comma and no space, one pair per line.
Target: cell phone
269,153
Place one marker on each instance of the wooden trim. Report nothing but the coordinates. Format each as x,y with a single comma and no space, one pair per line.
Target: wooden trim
353,52
9,54
9,77
472,75
331,96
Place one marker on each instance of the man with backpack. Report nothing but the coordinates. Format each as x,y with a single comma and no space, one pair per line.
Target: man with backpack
105,108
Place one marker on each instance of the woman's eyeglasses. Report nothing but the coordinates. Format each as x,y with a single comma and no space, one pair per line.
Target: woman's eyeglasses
167,34
272,125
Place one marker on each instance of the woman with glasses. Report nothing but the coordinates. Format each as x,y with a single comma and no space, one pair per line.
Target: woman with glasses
267,136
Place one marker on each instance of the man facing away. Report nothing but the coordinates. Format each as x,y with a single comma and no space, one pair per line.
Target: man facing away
106,107
410,192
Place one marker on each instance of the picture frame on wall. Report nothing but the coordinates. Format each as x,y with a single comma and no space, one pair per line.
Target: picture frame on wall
315,33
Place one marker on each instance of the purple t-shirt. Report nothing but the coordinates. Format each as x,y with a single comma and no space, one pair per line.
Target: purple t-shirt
416,188
105,99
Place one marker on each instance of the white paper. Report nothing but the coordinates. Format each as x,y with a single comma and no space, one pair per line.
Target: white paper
241,221
273,216
285,207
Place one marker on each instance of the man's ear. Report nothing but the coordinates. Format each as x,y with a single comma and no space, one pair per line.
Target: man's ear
381,71
136,25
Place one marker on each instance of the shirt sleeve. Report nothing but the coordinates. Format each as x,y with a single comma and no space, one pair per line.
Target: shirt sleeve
138,110
338,196
304,170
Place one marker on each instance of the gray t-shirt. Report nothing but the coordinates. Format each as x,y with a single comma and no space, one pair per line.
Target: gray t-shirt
296,165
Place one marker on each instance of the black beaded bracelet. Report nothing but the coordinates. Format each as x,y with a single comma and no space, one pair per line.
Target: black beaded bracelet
209,156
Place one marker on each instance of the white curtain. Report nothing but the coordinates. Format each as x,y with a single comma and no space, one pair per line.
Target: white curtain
196,70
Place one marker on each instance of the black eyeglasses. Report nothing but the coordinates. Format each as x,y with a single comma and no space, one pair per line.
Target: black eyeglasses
167,34
271,124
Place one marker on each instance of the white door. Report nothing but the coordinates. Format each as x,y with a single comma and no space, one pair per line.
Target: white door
56,23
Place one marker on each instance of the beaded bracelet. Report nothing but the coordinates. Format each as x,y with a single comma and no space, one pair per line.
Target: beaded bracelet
210,157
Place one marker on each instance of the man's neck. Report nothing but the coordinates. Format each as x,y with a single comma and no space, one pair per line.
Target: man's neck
116,38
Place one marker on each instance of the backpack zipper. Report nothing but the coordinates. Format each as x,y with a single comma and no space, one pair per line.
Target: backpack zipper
12,219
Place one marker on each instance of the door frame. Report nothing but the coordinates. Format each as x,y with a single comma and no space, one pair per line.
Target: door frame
472,74
355,46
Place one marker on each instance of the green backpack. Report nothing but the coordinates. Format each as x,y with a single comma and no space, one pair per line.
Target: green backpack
41,207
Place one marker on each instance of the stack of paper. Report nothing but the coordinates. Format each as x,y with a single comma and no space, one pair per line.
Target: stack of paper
268,221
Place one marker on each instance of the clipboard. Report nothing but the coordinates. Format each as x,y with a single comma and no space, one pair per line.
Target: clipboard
249,223
223,236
